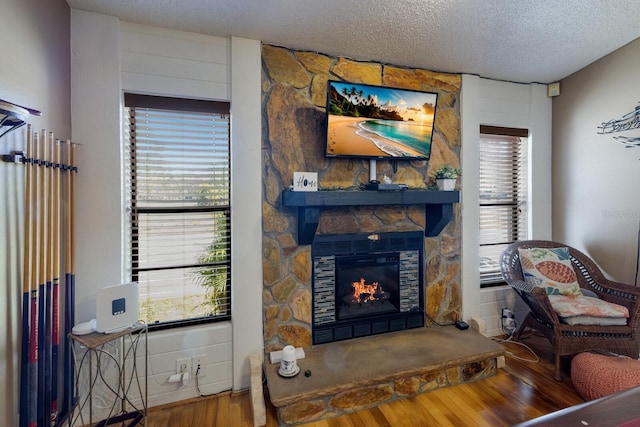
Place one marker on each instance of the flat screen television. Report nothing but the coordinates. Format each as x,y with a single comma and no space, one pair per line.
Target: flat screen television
375,122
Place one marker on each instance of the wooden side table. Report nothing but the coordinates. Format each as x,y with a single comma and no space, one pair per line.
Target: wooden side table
96,359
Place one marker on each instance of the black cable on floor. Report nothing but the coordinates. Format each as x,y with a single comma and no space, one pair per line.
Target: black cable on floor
635,280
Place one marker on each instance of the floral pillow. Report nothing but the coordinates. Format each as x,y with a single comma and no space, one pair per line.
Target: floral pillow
551,269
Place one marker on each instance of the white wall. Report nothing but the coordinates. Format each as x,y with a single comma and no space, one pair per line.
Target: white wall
596,179
110,57
34,62
490,102
34,72
246,202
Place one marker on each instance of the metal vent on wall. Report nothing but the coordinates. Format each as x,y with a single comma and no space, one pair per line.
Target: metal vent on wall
345,244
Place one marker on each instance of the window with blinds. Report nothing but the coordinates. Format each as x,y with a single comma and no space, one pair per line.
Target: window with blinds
503,196
179,230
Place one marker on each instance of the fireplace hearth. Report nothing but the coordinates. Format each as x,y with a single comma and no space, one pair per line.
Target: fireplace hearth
366,284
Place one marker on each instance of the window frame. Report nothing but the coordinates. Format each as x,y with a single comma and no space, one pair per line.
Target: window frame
520,203
132,101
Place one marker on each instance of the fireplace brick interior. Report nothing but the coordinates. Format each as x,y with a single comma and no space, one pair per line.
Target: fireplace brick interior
388,264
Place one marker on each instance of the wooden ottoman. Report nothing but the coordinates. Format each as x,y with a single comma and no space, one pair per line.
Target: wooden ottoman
597,375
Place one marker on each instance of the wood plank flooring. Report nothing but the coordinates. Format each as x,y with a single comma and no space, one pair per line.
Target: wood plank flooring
521,391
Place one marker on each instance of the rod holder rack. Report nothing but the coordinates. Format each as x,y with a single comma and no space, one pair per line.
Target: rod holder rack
14,157
13,116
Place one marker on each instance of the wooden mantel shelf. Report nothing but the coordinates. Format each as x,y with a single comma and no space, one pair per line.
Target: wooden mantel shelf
438,206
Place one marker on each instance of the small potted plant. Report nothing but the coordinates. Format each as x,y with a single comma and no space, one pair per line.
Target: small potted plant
446,176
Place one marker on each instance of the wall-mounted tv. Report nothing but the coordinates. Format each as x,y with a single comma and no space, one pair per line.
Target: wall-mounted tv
375,122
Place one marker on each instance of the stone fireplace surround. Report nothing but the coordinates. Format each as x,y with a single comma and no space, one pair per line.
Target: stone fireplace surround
293,109
294,97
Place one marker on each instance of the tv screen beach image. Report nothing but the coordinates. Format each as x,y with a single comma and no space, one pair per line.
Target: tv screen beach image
378,122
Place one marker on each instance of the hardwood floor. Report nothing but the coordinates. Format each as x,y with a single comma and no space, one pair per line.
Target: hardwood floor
522,390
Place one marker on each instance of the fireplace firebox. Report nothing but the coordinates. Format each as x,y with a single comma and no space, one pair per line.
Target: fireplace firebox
366,284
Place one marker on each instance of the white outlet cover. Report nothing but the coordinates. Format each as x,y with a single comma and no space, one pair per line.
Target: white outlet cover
202,359
184,361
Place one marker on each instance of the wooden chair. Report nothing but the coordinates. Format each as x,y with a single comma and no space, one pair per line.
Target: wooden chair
571,339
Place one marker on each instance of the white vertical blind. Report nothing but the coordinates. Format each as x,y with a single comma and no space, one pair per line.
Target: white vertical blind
179,181
503,199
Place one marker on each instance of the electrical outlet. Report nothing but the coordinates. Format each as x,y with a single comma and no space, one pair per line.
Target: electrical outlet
508,322
199,365
183,365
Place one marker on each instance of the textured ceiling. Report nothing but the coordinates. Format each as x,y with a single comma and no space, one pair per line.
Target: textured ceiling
516,40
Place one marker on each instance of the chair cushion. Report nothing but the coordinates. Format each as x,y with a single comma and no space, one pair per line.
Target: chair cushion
583,310
596,321
551,269
596,375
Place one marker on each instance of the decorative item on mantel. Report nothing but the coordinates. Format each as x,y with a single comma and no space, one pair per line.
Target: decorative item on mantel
446,176
305,181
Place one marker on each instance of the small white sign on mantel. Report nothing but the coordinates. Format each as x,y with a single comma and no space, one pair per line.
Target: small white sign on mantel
305,181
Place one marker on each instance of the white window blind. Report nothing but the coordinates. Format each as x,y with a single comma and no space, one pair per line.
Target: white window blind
503,196
179,225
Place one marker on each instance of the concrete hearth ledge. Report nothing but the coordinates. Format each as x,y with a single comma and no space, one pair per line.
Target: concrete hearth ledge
362,362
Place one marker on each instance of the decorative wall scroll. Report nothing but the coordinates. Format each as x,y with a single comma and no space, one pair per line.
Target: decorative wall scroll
628,122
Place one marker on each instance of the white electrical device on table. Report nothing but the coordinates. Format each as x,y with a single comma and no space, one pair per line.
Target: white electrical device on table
117,307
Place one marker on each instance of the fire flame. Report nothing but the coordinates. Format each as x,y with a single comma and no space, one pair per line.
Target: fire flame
365,293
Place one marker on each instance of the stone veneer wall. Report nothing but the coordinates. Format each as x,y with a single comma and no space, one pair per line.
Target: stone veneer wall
293,108
403,386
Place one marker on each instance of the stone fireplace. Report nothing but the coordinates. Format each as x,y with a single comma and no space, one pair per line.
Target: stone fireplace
293,111
366,284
